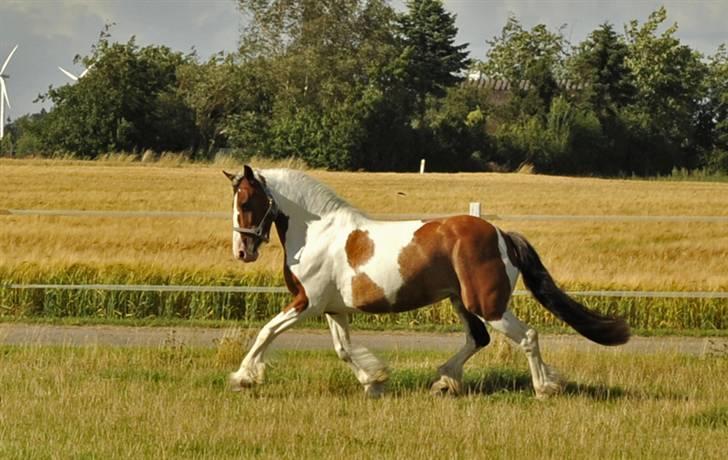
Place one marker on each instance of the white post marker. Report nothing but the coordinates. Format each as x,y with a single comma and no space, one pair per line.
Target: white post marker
474,209
422,166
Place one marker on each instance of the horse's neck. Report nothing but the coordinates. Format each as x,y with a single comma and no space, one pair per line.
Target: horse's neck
307,205
296,228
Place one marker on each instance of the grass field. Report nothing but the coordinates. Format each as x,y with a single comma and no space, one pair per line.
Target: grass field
581,255
171,402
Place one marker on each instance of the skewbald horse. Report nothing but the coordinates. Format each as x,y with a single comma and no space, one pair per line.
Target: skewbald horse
338,262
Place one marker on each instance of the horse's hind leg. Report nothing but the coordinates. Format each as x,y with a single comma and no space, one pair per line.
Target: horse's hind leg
476,337
546,381
370,371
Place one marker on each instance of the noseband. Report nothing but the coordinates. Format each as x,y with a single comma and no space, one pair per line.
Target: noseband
261,232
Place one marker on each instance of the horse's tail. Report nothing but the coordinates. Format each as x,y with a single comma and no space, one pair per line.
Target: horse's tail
601,329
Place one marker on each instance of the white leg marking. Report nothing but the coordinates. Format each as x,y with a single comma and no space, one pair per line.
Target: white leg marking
369,370
252,368
451,373
546,380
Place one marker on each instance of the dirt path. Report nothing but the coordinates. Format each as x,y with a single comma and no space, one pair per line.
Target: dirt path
11,333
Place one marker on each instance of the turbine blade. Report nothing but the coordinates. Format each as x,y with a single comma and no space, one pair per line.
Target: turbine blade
4,94
86,71
5,64
68,74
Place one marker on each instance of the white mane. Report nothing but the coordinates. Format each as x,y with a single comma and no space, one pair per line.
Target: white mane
305,191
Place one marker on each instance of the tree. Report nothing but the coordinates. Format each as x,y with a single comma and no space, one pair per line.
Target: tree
433,61
668,76
517,53
535,56
599,64
127,102
333,73
713,115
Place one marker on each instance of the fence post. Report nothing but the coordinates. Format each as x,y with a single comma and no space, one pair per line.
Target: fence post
422,166
474,209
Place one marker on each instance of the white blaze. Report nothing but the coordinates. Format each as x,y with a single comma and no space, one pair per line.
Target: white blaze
237,237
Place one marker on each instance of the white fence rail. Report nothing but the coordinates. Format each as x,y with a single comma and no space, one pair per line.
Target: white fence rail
510,217
281,290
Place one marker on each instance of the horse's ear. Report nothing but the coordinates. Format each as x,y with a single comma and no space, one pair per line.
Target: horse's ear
248,173
229,175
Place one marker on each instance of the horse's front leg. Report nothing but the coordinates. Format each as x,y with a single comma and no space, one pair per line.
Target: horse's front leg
252,368
370,371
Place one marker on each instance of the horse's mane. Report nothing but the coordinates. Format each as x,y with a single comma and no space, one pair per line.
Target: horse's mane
306,191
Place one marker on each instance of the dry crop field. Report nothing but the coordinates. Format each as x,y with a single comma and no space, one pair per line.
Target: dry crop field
171,402
689,256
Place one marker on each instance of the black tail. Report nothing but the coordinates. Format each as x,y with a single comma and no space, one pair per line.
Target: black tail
600,329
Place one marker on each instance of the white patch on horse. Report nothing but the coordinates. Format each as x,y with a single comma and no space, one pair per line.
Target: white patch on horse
511,269
383,267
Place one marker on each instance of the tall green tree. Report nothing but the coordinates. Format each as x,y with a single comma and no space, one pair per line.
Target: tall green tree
668,76
334,69
713,117
433,64
433,61
534,56
517,53
599,65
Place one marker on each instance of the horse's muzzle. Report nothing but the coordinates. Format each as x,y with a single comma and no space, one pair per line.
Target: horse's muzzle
246,256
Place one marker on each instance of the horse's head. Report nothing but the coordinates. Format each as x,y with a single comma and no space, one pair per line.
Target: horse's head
254,212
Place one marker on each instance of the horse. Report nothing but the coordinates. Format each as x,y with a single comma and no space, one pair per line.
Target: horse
338,261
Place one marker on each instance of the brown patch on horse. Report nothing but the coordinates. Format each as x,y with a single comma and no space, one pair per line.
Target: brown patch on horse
359,248
455,256
368,296
426,268
300,299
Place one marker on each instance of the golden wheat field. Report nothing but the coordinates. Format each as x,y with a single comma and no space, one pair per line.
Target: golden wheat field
625,255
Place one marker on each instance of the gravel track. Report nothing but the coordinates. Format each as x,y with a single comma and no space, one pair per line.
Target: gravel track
303,339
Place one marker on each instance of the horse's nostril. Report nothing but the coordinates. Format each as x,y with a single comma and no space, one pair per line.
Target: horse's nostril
241,254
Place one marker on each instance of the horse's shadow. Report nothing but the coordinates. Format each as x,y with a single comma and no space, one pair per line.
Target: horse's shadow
504,381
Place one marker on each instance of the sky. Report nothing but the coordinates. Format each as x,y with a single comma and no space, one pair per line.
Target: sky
51,32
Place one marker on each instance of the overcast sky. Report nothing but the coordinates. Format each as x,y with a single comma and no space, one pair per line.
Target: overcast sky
51,32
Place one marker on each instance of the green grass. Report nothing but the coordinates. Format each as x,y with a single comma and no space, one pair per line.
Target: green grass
172,402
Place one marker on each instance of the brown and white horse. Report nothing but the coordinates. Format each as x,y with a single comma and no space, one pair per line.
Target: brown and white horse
338,261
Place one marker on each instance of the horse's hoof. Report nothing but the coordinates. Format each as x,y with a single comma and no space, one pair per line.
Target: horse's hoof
374,390
236,384
549,389
446,386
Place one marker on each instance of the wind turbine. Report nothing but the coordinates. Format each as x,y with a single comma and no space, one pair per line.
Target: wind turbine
72,76
4,93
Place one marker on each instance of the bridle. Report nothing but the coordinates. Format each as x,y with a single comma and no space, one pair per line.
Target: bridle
261,232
